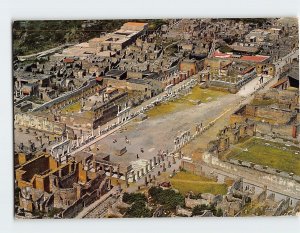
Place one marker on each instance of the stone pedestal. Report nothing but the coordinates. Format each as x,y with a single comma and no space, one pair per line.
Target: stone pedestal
133,177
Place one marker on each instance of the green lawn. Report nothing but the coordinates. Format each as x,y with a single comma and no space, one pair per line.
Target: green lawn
185,182
263,102
197,94
72,108
273,155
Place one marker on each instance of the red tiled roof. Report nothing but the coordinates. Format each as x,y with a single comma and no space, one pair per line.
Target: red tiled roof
68,60
254,58
248,70
99,79
221,55
280,82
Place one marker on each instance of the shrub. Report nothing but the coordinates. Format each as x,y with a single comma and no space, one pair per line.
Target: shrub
130,198
138,210
199,209
168,197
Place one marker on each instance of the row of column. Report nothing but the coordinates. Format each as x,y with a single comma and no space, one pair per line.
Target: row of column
157,160
182,140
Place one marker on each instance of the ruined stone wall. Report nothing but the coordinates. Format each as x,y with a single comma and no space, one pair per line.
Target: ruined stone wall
250,110
68,180
280,184
73,209
123,84
63,198
89,198
284,131
281,116
87,89
132,74
189,67
39,123
235,118
187,165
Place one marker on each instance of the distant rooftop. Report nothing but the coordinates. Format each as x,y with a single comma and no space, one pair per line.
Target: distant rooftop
257,58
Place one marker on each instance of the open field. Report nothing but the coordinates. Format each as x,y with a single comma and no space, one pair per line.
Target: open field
197,94
185,182
276,155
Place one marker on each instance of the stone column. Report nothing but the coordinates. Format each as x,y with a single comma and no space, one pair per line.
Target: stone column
133,177
173,158
126,180
169,164
142,172
63,152
59,158
146,181
118,171
164,167
147,169
110,171
154,160
151,165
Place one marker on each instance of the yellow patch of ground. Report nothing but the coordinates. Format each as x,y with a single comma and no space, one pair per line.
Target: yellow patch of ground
185,182
196,96
72,108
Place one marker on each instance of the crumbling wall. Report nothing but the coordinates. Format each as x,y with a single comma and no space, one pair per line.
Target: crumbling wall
277,183
73,209
39,123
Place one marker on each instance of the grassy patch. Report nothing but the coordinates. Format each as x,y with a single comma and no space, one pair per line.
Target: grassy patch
72,108
185,182
192,99
267,153
263,102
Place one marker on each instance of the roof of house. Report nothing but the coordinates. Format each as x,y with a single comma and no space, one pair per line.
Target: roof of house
68,60
221,55
135,24
248,49
257,58
281,81
115,72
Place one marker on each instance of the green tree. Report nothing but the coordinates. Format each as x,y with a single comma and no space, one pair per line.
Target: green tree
168,197
130,198
138,210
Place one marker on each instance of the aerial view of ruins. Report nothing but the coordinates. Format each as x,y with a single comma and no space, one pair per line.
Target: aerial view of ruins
156,118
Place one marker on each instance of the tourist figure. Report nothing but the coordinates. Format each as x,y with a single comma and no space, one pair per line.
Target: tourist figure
137,156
